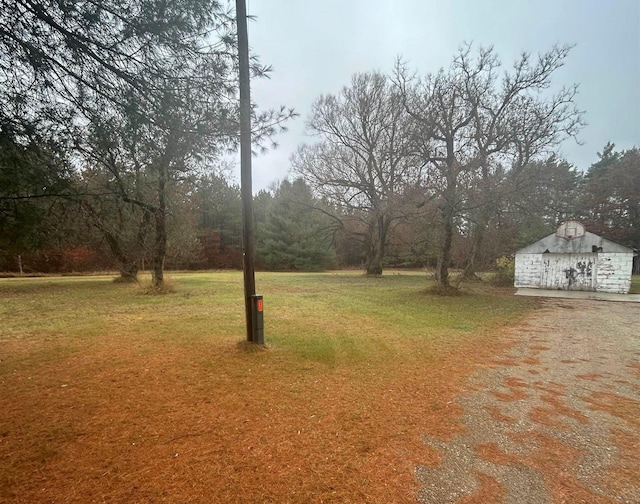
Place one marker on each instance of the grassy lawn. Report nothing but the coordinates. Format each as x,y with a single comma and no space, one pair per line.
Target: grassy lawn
116,396
635,284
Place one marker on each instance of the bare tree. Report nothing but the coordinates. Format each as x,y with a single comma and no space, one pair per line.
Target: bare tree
476,124
362,162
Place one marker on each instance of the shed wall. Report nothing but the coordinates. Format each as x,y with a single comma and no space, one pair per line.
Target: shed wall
569,271
614,272
607,272
528,271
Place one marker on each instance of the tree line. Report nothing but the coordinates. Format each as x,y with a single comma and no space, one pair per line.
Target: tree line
297,230
115,118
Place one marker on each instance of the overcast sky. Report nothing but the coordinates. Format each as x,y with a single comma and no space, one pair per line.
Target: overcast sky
315,46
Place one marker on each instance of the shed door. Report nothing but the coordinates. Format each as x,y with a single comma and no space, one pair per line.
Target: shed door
569,272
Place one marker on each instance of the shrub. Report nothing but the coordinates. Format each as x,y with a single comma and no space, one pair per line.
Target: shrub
505,272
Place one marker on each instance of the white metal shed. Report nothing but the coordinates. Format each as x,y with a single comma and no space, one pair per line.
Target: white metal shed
574,259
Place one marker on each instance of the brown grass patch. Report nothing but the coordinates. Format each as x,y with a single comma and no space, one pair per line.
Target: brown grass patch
492,453
513,382
550,415
152,398
503,362
562,409
636,369
127,421
555,461
489,490
430,456
623,407
547,417
590,376
515,386
552,388
509,396
497,414
624,477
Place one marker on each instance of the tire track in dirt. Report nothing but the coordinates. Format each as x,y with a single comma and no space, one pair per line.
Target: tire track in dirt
554,419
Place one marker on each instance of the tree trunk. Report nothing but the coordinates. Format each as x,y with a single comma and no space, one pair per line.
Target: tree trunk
448,214
20,264
378,239
128,267
444,257
126,259
374,265
160,243
469,271
486,211
129,272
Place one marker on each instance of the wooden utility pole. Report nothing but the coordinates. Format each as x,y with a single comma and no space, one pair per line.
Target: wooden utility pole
251,302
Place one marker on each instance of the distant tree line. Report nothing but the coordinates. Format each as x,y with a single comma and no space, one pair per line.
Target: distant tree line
51,231
115,116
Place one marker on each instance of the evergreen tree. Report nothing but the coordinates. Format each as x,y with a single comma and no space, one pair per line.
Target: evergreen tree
34,176
611,198
294,233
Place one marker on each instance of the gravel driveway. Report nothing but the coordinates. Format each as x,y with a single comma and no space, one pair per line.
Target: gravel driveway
554,419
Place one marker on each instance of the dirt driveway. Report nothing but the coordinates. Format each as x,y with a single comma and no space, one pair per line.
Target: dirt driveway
556,419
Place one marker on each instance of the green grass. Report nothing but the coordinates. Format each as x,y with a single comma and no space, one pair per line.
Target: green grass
335,319
635,284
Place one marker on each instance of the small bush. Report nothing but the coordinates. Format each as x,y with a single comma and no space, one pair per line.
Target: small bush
505,272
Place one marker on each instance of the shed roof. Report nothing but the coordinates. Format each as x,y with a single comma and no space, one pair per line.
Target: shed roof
588,242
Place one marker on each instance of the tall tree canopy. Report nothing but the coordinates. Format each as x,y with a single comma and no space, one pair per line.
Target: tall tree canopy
475,124
362,162
612,195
